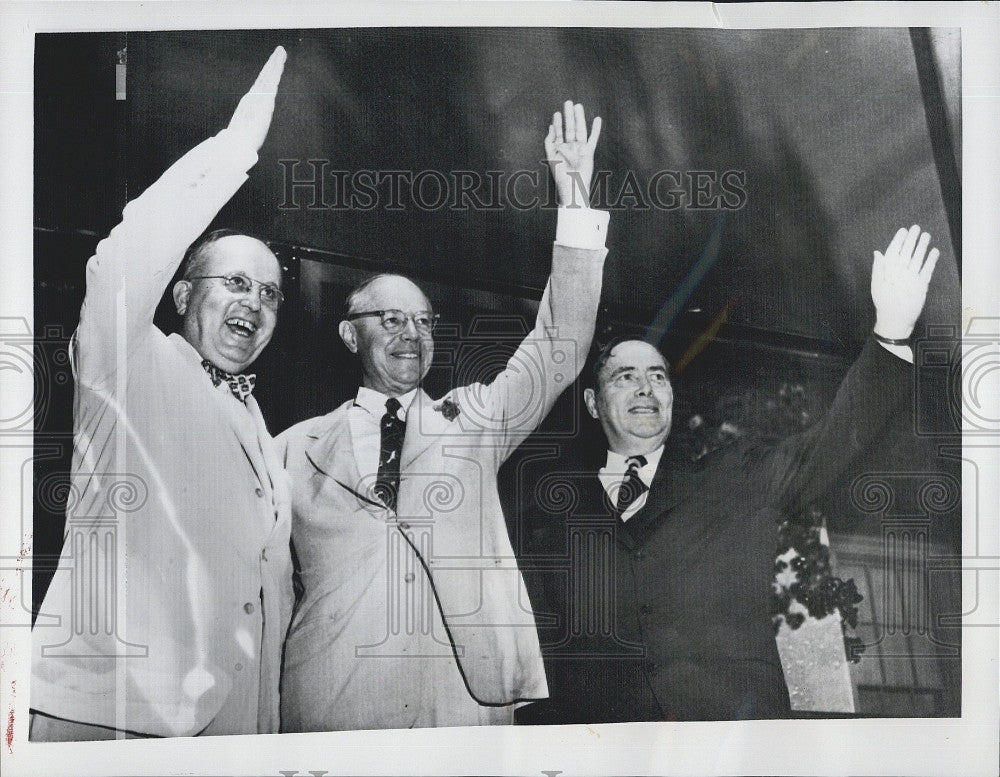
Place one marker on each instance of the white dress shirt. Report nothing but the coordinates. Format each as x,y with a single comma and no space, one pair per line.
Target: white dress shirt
365,418
612,475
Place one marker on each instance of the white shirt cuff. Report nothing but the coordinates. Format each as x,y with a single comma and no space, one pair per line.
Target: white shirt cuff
582,228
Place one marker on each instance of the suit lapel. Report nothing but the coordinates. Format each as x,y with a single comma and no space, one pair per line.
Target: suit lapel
424,426
331,446
279,490
232,410
331,452
671,485
600,503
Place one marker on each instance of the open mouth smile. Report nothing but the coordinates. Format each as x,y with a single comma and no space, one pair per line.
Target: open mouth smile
241,327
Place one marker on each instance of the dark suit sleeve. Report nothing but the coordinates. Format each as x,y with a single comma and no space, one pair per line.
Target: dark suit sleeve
803,467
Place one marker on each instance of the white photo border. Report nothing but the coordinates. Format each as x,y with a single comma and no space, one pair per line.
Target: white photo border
967,745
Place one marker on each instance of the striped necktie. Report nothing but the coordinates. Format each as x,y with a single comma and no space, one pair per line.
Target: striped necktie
632,486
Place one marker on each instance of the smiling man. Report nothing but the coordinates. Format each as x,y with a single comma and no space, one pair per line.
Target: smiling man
229,322
665,613
414,612
167,613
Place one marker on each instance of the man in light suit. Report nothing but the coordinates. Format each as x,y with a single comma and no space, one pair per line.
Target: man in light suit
167,613
414,612
665,613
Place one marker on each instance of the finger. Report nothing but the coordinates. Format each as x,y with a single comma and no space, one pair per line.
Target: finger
550,147
896,243
557,126
595,133
909,243
270,74
580,122
928,269
570,121
878,266
920,252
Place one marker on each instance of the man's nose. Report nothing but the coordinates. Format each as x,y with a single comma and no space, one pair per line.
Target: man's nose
643,388
410,330
252,298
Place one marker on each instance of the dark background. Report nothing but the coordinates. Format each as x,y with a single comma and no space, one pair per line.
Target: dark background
842,136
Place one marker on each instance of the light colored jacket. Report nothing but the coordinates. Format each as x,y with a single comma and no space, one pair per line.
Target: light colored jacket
395,604
176,573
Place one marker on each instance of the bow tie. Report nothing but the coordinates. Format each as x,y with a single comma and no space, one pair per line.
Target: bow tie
241,385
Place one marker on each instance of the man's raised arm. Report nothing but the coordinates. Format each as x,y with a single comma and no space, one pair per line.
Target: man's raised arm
133,265
806,465
553,354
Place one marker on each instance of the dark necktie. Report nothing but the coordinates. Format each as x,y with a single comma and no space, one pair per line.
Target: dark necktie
632,486
387,481
240,385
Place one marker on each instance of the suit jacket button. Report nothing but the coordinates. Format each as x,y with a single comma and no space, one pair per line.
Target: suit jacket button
259,492
409,577
248,608
651,667
404,526
644,610
640,554
239,667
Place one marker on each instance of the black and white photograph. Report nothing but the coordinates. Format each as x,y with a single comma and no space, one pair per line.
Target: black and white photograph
512,388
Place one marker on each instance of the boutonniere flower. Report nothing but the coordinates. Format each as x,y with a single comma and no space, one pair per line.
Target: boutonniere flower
448,409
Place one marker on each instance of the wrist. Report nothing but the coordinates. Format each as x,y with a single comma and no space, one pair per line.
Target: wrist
574,193
577,201
891,331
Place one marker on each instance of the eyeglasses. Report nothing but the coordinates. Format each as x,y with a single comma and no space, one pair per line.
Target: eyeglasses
632,379
269,294
394,321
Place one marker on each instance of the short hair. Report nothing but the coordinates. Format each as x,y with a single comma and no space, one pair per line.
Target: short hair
361,288
197,255
603,351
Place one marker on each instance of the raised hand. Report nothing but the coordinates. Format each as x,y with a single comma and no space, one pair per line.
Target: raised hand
899,282
571,155
252,117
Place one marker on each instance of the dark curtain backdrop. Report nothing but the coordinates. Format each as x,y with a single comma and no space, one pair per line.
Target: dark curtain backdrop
828,129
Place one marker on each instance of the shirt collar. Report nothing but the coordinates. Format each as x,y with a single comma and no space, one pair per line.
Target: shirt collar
617,465
374,401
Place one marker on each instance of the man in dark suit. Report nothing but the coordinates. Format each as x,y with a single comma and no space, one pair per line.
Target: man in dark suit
664,613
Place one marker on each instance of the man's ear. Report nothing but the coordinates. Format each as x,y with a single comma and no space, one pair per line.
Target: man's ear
349,336
182,292
590,400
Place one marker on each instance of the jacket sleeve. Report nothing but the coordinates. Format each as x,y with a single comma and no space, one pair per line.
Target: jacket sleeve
803,467
133,265
551,357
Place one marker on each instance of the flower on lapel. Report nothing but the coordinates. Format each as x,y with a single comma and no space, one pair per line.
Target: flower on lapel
448,409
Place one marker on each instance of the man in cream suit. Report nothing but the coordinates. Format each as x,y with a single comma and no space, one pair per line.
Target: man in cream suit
414,612
167,614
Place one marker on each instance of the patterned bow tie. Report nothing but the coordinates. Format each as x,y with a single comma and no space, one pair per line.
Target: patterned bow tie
241,385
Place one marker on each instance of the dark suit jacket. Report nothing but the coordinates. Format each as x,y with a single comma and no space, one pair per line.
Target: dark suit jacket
666,617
